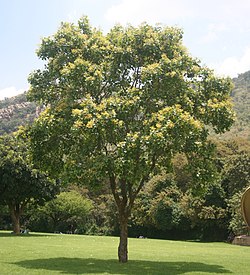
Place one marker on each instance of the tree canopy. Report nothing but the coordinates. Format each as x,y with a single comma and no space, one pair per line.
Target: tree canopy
120,105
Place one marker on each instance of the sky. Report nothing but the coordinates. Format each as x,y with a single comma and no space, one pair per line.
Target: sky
215,31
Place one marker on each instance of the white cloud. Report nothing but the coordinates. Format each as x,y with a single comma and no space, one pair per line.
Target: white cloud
137,11
152,11
214,31
232,66
211,36
10,92
219,27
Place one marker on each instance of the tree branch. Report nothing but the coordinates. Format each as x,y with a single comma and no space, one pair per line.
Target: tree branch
113,188
143,180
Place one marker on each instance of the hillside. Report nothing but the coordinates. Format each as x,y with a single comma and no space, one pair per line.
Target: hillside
241,99
18,111
14,112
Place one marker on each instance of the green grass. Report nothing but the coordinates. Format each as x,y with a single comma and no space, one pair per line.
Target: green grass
75,254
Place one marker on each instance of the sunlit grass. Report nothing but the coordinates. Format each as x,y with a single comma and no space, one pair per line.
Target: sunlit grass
76,254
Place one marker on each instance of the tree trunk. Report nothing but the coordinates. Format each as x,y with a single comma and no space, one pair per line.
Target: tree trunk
15,213
123,245
124,209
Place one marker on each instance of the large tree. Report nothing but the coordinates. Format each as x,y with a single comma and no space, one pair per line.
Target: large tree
20,183
120,105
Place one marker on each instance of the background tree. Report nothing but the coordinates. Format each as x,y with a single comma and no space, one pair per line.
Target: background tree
103,220
19,182
4,217
236,178
236,174
68,212
121,105
158,209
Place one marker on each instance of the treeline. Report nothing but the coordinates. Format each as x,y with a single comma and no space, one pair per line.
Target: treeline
169,207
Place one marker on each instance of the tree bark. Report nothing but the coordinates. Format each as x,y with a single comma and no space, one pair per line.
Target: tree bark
123,245
15,213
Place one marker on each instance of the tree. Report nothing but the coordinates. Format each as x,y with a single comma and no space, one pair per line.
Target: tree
121,105
67,212
236,174
20,183
158,206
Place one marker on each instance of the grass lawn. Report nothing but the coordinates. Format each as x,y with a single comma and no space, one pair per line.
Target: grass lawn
76,254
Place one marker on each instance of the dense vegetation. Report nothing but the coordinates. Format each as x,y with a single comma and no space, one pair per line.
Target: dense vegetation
165,209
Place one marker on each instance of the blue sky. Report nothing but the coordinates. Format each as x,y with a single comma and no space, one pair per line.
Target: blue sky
215,31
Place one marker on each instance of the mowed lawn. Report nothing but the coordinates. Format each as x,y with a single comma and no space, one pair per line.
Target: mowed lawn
76,254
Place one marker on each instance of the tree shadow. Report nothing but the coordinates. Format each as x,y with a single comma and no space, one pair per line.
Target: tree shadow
95,266
8,234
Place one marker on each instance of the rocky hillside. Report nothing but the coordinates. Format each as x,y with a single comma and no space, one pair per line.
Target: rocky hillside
14,112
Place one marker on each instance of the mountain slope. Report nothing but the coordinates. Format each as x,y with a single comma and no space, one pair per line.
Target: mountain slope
241,98
14,112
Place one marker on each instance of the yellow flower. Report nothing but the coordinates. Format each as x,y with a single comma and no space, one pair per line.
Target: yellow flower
170,124
159,135
202,110
105,114
158,125
90,124
120,123
161,117
78,124
88,116
196,124
136,135
76,112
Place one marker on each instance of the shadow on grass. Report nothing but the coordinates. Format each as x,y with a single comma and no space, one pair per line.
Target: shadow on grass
8,234
90,266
